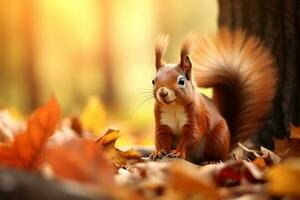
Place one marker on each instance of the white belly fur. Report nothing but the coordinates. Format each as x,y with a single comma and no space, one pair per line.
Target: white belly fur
173,116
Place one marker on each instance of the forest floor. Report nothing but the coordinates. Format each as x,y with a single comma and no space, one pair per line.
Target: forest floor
45,157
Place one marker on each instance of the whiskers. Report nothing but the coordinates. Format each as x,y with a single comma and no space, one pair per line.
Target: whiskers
144,96
143,91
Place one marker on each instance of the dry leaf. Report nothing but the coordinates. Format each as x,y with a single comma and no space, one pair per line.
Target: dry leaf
80,160
287,147
76,126
270,157
183,183
148,178
93,117
245,151
295,131
232,173
120,158
284,178
260,163
25,151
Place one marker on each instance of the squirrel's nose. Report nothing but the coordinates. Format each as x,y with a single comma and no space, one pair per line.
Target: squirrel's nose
163,93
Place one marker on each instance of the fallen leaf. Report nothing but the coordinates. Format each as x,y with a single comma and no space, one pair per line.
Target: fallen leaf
270,157
93,117
285,148
149,178
232,173
80,160
109,138
76,126
120,158
284,178
288,147
25,151
260,163
183,183
245,151
295,131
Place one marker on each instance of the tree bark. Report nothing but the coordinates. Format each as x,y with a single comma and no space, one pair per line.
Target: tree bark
277,23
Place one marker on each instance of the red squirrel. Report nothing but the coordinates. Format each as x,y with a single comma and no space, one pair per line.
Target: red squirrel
190,125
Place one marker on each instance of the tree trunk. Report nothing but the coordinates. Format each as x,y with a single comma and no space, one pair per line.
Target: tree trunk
277,23
106,57
29,62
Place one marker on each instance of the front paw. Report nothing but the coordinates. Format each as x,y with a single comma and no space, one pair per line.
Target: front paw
175,154
158,154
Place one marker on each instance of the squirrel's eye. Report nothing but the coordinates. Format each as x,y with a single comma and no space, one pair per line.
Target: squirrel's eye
181,81
153,82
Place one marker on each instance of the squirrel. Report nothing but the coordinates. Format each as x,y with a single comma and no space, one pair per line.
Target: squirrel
188,124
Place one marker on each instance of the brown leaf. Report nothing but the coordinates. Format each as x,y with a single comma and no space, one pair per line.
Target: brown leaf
120,158
25,151
80,160
245,151
287,147
270,157
76,126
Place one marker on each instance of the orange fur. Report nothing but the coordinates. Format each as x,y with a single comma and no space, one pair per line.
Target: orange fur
160,49
243,76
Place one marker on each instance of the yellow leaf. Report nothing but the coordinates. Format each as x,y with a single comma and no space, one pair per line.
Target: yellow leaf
93,117
120,158
109,137
284,179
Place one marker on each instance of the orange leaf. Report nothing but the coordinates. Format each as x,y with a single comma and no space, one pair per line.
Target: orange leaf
26,149
295,131
183,182
80,160
287,147
260,163
120,158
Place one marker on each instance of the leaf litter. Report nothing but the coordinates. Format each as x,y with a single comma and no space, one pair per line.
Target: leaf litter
65,152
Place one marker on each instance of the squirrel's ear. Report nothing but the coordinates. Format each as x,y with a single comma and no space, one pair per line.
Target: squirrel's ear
185,62
186,65
160,49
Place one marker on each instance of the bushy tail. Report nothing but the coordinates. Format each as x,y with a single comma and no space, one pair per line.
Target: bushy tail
243,76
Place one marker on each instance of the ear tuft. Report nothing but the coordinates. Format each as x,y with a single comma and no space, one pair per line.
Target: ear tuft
161,44
185,62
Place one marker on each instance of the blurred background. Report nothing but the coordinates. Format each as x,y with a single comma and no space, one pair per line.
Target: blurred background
93,55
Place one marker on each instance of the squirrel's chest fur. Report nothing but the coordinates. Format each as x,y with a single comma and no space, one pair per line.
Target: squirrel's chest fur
173,116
